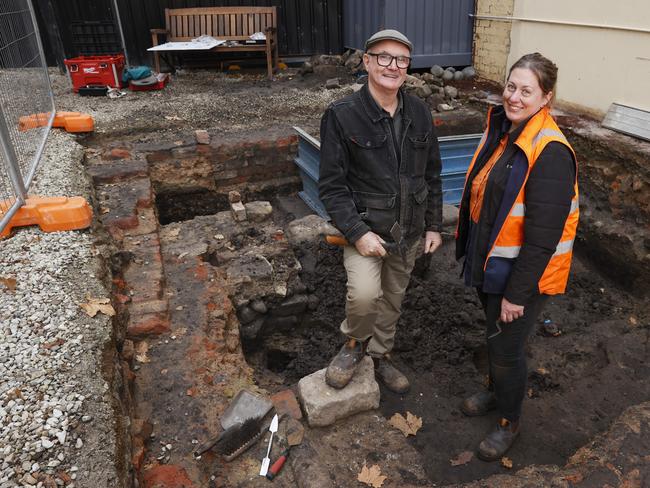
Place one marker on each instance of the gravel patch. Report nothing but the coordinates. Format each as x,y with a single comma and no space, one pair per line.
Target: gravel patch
56,420
206,99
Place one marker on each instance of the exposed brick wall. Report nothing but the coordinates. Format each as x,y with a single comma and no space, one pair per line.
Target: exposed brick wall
492,39
245,166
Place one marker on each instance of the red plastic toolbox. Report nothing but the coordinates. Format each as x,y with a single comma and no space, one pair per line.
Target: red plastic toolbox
96,71
161,80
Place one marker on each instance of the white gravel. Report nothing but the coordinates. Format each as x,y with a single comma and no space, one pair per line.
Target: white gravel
50,351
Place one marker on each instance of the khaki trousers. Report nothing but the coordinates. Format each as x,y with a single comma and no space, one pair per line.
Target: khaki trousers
376,287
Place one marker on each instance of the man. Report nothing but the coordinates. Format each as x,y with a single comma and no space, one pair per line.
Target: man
380,166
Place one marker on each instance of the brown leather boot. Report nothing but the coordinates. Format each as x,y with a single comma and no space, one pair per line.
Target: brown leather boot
390,376
479,403
342,367
497,442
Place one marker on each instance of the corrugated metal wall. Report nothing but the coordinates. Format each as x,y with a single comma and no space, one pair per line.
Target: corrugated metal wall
440,30
305,27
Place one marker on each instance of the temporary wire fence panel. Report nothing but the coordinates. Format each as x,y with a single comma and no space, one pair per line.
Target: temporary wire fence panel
26,104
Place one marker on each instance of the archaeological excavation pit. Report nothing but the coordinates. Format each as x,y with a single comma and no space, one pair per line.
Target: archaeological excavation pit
211,302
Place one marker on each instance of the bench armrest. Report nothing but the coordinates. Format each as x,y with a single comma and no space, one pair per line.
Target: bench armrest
159,31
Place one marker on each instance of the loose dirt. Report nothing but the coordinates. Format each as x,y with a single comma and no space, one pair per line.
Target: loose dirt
579,381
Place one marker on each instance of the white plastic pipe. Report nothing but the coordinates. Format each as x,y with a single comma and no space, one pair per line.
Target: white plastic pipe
506,18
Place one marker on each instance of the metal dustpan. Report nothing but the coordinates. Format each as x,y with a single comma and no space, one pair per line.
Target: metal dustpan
245,405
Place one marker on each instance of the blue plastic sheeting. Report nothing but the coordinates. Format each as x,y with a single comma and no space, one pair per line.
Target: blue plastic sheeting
456,153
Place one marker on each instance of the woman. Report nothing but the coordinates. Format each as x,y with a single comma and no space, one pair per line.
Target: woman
517,223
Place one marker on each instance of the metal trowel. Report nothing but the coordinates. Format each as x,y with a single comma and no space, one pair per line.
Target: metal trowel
273,428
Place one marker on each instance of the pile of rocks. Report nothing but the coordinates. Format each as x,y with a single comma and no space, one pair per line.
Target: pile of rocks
433,87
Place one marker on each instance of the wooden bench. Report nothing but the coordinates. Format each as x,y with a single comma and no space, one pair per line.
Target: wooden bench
226,23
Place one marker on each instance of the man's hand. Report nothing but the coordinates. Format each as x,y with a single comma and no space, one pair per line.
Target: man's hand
370,244
510,311
432,241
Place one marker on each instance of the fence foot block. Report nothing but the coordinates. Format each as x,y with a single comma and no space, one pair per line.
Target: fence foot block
51,214
70,121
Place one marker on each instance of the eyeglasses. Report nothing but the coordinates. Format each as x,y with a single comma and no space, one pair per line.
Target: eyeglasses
385,60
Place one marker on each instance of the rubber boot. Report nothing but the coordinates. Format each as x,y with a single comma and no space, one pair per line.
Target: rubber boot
479,403
390,376
342,367
497,442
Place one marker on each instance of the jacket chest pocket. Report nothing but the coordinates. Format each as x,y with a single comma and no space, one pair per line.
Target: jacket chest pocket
419,148
376,209
370,157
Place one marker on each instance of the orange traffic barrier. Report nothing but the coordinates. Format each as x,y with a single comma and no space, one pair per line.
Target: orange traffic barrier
51,214
70,121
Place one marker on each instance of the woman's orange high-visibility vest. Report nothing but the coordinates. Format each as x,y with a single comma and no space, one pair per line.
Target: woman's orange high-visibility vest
508,233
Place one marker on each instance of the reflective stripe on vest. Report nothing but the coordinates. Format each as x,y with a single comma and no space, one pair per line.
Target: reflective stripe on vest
519,209
512,252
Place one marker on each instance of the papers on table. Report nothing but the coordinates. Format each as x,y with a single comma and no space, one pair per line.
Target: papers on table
202,43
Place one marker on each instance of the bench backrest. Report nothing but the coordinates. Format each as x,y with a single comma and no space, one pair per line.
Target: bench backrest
236,23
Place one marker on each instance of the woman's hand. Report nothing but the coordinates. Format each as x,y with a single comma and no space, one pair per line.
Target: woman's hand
510,311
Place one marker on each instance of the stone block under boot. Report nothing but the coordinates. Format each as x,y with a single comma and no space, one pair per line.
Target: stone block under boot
342,367
390,376
479,403
497,442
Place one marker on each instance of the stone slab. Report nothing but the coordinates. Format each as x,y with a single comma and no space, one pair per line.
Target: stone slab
258,211
324,405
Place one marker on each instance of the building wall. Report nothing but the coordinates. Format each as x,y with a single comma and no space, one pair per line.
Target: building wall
597,66
492,39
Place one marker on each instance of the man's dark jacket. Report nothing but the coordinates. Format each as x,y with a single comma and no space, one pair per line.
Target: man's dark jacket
366,182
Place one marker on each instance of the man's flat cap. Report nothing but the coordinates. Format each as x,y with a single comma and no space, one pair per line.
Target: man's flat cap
388,35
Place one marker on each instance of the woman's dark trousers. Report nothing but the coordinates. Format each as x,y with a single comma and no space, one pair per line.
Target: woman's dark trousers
506,352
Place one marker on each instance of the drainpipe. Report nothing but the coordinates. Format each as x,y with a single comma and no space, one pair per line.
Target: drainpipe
511,18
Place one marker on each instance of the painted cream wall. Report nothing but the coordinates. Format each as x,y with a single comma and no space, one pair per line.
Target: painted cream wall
596,66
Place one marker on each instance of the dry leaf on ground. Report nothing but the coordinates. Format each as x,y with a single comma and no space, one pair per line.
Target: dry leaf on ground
141,350
506,462
407,426
94,305
463,458
9,283
371,476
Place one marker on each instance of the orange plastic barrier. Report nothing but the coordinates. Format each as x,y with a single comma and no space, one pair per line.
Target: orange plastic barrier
70,121
51,214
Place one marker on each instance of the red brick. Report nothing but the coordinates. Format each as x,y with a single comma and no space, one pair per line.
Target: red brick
146,294
138,452
119,153
148,307
285,402
149,324
122,223
285,142
166,476
141,428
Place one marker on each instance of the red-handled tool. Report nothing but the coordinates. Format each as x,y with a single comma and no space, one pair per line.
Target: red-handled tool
294,433
277,465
